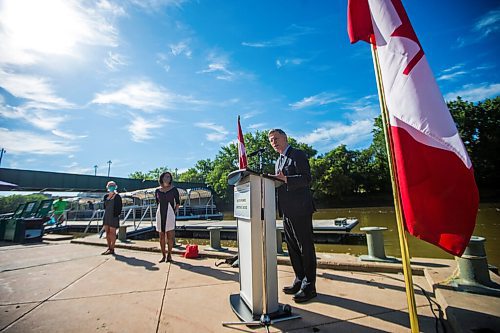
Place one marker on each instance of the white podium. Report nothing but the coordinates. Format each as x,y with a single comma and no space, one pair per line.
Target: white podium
255,213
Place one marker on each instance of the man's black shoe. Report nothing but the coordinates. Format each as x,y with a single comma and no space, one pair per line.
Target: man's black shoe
291,290
305,294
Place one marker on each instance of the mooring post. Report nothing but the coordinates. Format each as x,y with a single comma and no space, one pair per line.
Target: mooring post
279,241
473,273
375,243
215,239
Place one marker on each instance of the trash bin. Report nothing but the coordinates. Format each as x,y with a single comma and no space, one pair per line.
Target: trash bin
14,230
3,223
33,229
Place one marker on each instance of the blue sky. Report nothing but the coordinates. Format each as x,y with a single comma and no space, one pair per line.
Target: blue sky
149,83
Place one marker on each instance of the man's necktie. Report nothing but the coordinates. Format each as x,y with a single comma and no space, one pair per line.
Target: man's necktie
281,162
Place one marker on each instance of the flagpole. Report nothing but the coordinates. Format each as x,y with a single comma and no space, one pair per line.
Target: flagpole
403,243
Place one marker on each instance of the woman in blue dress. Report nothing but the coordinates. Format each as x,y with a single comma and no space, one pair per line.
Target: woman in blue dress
168,201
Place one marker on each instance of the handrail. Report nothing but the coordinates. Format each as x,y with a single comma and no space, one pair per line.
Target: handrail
132,209
96,212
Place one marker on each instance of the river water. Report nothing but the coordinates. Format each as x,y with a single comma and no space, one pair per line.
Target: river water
487,225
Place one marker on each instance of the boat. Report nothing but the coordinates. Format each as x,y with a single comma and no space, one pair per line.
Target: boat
339,224
196,203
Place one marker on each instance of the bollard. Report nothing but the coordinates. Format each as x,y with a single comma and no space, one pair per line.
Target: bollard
122,233
375,243
215,239
279,242
473,273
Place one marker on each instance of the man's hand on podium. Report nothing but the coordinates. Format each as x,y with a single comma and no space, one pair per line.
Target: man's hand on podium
279,176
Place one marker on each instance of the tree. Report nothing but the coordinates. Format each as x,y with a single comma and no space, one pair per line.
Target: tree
332,174
479,128
381,177
150,175
9,203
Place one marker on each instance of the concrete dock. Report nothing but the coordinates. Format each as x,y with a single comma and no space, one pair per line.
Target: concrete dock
67,286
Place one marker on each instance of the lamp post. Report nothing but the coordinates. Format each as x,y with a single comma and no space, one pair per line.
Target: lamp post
95,170
109,166
2,151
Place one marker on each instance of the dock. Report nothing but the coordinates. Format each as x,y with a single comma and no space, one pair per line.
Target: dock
67,286
325,231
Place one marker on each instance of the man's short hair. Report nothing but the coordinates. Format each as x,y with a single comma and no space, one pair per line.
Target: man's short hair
276,130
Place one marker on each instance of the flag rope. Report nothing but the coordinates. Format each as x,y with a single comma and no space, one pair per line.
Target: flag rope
403,242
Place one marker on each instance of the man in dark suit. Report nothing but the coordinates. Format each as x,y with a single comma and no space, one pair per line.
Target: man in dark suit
296,205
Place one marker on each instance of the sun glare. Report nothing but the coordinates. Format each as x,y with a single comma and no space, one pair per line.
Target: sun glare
46,27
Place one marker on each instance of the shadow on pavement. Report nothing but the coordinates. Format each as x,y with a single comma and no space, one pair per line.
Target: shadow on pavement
370,282
315,322
218,273
133,261
428,264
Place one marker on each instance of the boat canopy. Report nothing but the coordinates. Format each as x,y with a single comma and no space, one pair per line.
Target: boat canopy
200,195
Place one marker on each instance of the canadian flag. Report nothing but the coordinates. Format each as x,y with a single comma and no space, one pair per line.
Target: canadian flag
438,192
242,153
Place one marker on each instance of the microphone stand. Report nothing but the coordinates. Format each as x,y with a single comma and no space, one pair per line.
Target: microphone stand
260,161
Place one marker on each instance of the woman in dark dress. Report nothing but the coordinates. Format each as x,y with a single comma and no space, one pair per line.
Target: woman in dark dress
111,220
168,201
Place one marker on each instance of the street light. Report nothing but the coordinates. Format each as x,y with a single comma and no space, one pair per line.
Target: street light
95,170
109,166
1,155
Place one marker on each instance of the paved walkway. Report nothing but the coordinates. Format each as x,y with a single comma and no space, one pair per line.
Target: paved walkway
68,287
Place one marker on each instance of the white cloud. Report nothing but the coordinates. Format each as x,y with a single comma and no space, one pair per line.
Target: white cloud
144,95
287,62
110,7
316,100
66,135
485,26
218,65
219,132
36,89
32,30
293,33
75,168
365,108
333,134
257,126
141,129
38,118
23,142
216,137
450,76
114,61
451,73
475,92
157,5
489,23
181,48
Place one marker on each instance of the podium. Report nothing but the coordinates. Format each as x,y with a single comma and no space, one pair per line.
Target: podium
255,213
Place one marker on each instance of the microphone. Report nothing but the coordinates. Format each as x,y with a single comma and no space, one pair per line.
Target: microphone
258,151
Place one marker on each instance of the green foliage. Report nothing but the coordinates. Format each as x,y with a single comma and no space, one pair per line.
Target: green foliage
479,127
9,203
150,175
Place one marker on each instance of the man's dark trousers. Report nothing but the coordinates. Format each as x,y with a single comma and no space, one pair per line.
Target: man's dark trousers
300,243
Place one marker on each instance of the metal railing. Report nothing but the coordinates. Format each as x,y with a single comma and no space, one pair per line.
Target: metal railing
129,213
